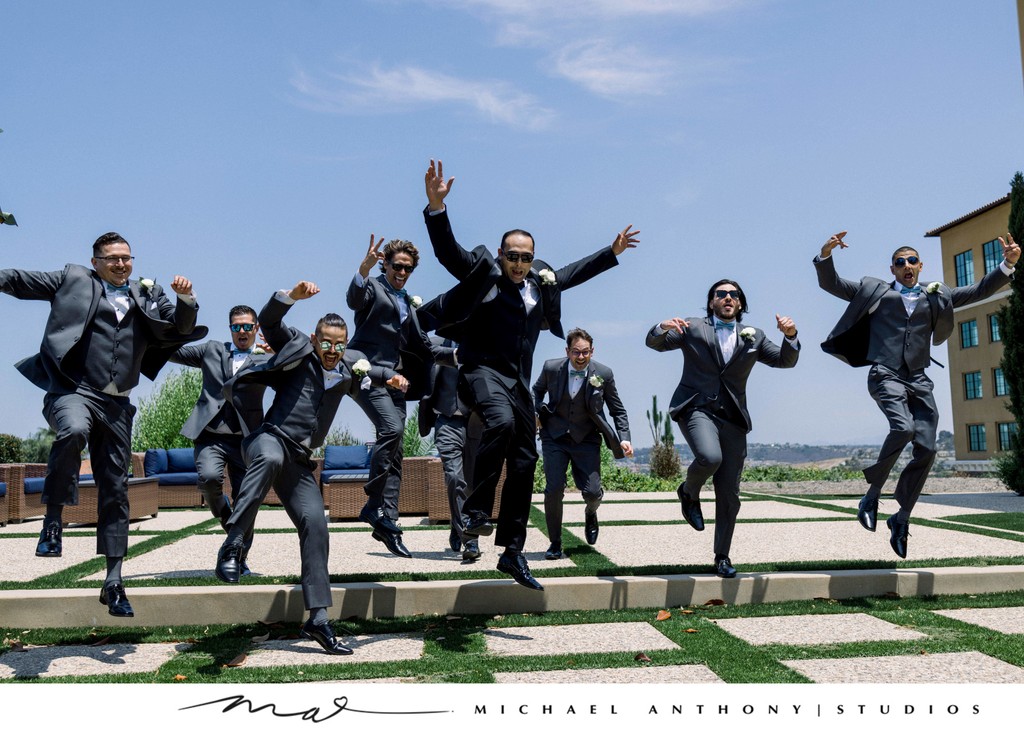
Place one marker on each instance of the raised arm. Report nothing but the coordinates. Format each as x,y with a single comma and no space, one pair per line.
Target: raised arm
453,256
667,335
606,258
271,317
993,280
31,285
359,294
828,278
190,355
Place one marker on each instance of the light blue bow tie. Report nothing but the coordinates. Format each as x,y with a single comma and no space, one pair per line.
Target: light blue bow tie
241,351
904,290
117,288
730,325
577,373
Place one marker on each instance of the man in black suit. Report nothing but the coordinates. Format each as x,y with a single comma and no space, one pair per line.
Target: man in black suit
710,402
215,425
890,326
572,426
442,410
496,314
309,376
103,331
388,332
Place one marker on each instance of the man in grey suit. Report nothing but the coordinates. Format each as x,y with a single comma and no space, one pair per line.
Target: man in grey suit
103,331
572,426
496,314
710,402
388,332
309,375
444,411
215,424
890,326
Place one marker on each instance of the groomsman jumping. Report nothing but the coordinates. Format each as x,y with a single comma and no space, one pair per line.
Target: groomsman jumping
710,403
572,426
890,326
496,314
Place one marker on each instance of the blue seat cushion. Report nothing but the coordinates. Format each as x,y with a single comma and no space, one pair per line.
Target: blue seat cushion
177,479
328,474
34,485
346,457
3,489
181,460
155,461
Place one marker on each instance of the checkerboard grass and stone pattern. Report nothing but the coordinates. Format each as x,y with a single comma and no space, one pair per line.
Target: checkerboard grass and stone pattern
958,640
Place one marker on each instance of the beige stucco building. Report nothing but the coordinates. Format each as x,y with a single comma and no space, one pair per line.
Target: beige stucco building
982,423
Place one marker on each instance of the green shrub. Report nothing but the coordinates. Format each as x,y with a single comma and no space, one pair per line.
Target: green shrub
413,444
36,448
338,437
10,449
782,473
160,417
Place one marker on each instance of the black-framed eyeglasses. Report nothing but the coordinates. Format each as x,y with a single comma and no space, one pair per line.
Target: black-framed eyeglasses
734,295
579,353
114,259
326,346
242,327
401,267
516,257
901,261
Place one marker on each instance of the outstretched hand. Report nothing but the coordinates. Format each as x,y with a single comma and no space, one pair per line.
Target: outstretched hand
181,285
676,325
398,382
437,187
625,240
373,256
1011,250
304,289
786,326
834,241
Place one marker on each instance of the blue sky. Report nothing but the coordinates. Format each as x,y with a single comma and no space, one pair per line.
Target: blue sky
248,145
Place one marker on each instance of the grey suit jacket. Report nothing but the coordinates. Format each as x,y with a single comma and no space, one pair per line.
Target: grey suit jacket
442,389
74,294
554,381
705,372
215,361
848,340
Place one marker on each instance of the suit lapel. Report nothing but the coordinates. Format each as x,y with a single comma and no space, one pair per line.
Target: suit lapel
561,382
711,339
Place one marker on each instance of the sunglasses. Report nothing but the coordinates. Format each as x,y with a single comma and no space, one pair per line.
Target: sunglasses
327,346
516,257
402,268
242,327
901,261
116,259
734,295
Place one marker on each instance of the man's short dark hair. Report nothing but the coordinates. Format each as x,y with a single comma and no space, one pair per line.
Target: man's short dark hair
905,248
743,298
578,333
394,247
110,238
242,311
511,232
330,319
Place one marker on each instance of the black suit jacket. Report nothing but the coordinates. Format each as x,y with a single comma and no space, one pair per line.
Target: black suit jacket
74,295
554,381
442,388
705,371
215,360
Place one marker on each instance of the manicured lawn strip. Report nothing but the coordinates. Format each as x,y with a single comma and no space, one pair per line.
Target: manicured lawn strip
1001,520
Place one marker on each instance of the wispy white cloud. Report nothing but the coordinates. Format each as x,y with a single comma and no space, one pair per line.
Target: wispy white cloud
582,9
610,69
409,86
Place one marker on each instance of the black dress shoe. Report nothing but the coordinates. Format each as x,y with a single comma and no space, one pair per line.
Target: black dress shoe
393,542
454,540
900,531
116,600
554,553
724,568
324,635
243,569
691,510
479,526
515,565
471,550
867,513
591,528
50,545
377,519
229,562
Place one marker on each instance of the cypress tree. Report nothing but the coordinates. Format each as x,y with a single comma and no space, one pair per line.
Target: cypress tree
1011,327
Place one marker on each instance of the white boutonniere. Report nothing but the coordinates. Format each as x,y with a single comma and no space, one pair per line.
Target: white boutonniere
596,380
259,350
933,287
146,284
361,368
547,277
748,334
415,301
